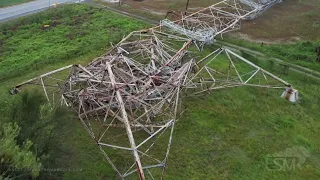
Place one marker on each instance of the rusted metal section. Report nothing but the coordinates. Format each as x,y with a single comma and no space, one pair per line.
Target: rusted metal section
140,170
290,94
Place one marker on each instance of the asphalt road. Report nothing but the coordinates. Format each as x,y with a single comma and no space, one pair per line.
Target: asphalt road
19,10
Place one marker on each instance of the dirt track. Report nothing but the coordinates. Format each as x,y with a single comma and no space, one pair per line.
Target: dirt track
290,20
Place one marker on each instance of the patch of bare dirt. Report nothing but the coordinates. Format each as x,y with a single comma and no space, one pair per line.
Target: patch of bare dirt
159,13
289,21
247,37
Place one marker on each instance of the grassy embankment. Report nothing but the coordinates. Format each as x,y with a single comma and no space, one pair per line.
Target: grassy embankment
5,3
225,135
302,53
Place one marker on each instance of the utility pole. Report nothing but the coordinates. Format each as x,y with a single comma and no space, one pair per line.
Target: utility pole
318,54
185,13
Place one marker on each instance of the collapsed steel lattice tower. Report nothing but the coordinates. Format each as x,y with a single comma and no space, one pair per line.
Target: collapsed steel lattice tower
128,99
204,25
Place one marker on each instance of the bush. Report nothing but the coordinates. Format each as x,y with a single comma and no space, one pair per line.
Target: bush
43,125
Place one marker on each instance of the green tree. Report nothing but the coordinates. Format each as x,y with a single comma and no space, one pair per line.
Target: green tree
45,126
16,160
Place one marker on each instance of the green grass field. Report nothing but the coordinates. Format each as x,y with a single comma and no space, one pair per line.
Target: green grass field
302,53
227,134
73,31
5,3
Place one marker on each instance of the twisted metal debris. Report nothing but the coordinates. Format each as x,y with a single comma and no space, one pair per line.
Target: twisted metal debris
129,99
204,25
